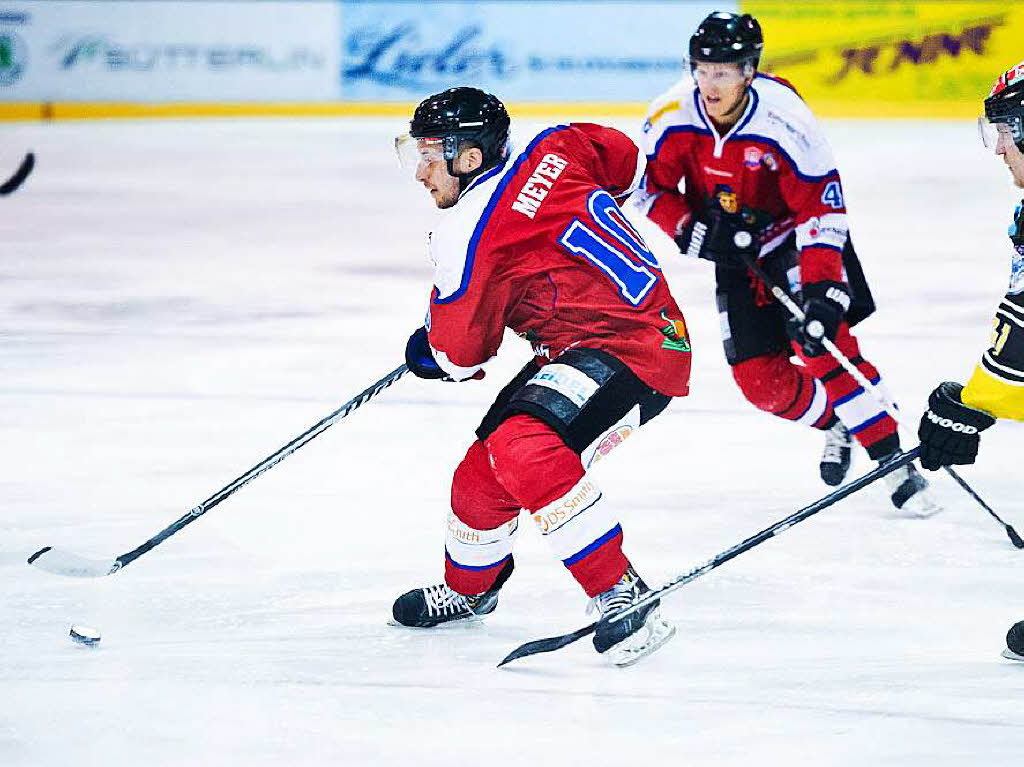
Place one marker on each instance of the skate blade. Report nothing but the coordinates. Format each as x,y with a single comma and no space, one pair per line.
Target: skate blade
465,622
1011,655
919,508
655,634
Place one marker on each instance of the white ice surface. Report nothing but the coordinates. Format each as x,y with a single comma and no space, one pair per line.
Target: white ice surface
177,300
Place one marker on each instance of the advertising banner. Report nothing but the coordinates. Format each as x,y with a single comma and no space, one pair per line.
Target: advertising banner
168,51
881,59
530,51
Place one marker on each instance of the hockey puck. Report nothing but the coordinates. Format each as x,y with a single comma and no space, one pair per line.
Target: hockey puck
1015,639
85,635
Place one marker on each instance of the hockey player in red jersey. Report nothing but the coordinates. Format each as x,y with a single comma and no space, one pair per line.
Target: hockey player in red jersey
732,150
535,241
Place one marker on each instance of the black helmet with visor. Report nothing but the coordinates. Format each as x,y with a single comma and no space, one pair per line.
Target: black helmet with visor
443,123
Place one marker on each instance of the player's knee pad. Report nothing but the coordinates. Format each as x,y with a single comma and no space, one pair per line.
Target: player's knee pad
775,385
768,382
478,498
531,461
582,394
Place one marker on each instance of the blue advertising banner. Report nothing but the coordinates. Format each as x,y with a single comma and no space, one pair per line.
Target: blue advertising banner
529,51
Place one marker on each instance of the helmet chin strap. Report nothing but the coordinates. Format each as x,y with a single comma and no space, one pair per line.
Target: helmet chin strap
465,179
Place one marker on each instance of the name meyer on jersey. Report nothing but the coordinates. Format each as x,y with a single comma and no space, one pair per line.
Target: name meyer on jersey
533,192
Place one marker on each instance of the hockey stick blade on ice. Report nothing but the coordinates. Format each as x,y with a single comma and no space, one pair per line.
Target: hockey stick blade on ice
60,562
557,643
20,175
817,331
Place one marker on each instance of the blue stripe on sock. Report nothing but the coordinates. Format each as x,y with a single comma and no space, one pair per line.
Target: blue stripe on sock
501,561
854,393
582,553
867,423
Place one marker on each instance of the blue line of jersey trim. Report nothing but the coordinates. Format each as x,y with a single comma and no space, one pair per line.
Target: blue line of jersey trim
750,115
617,530
501,561
700,112
825,245
467,270
676,129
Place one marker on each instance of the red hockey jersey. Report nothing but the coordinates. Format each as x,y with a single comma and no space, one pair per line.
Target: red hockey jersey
774,166
540,245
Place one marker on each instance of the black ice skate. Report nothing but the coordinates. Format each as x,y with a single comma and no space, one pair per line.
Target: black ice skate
1015,642
433,605
835,457
909,492
637,635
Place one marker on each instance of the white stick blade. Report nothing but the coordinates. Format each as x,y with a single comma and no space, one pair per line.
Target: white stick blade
60,562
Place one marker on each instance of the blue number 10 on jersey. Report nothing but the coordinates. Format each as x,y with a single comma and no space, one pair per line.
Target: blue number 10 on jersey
626,262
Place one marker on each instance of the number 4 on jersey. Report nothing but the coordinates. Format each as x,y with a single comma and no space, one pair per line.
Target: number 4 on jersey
833,195
626,262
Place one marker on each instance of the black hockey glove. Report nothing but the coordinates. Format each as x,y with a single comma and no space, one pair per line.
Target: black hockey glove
825,303
419,357
717,236
949,429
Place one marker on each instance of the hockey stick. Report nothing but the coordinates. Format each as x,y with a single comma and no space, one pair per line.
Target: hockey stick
20,175
62,562
556,643
817,331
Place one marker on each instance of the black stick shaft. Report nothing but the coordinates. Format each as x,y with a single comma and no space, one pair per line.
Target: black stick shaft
790,305
264,465
555,643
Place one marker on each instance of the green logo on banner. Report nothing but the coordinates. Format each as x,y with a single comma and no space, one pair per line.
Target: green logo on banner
12,58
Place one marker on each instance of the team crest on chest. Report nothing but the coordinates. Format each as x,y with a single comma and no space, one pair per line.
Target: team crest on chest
752,157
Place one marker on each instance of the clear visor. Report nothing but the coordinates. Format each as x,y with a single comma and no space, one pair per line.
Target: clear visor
995,135
723,75
414,154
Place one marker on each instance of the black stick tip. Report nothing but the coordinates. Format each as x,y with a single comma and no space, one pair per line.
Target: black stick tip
43,550
1014,538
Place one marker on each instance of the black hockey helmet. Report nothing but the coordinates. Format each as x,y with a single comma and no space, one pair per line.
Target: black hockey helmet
1005,106
458,115
725,38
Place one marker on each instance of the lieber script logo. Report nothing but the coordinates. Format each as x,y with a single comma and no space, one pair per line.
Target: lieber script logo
405,56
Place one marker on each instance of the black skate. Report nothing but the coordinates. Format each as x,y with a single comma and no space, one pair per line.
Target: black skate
433,605
637,635
909,492
835,457
1015,642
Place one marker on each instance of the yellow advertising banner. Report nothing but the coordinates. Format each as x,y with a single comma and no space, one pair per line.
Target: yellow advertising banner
891,58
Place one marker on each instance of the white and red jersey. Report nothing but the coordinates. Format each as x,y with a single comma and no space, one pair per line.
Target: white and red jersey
774,164
540,245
